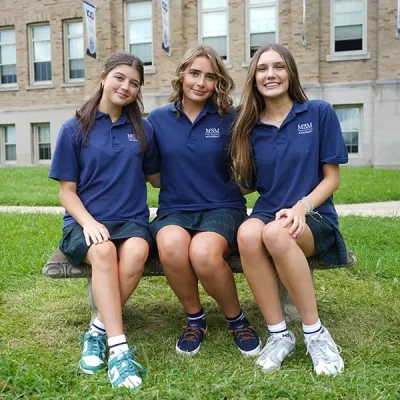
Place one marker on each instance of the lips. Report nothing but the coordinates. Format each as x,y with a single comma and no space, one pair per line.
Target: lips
122,95
198,92
272,85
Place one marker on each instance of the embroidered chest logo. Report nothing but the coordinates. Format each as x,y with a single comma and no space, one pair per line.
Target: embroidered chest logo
212,133
303,129
131,137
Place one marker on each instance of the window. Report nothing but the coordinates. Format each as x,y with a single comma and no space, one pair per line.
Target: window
140,30
349,118
349,23
261,24
74,51
213,30
42,142
9,147
40,53
8,64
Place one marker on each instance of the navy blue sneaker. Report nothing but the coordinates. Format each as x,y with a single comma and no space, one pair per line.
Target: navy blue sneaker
190,341
246,338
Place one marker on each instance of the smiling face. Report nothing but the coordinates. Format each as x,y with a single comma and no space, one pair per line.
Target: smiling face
272,78
120,87
199,80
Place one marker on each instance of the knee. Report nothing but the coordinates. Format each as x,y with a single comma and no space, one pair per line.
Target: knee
103,256
205,260
173,251
136,251
276,238
249,239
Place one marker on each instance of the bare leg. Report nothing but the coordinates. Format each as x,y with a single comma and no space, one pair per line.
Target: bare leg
207,251
292,267
173,248
259,271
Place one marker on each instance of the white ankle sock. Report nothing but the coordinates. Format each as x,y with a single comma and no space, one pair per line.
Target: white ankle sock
117,345
97,326
312,329
278,329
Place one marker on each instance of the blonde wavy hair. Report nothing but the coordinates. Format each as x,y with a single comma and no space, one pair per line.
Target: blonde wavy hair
224,85
251,105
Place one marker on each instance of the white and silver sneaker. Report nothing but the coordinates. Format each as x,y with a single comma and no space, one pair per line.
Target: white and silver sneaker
324,353
278,347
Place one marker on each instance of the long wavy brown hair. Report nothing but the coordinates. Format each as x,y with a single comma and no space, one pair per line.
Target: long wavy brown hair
224,85
87,113
251,105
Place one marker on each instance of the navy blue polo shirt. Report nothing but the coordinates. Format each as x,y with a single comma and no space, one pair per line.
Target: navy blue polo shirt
195,173
289,159
109,172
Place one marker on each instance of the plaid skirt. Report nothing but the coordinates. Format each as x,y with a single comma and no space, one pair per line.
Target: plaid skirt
328,240
224,221
74,246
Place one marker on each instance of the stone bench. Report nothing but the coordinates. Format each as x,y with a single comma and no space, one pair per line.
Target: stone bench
58,267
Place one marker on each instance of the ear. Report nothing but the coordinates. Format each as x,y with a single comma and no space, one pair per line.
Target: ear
103,77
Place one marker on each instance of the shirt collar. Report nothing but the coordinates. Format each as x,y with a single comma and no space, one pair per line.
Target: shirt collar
209,108
297,108
124,118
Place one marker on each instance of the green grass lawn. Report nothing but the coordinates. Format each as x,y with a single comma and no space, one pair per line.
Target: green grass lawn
29,186
41,319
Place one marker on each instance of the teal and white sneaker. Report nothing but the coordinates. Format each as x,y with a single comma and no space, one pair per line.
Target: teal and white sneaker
123,370
93,353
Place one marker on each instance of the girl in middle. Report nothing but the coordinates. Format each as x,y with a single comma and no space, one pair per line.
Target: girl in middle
200,208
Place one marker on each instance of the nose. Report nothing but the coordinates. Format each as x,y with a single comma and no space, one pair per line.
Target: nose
200,82
270,72
125,84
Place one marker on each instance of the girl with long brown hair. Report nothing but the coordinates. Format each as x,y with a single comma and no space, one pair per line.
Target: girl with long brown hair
102,159
200,208
288,149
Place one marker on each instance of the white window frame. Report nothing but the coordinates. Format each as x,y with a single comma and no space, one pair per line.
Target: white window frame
31,57
362,54
147,68
266,3
35,141
200,24
13,84
67,79
360,126
3,145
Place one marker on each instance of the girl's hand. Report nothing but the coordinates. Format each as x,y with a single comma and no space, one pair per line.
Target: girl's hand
95,232
295,215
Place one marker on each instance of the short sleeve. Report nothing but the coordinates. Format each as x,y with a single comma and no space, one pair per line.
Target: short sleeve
151,157
65,160
332,148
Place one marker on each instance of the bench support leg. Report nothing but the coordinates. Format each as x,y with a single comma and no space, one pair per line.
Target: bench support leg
289,310
92,303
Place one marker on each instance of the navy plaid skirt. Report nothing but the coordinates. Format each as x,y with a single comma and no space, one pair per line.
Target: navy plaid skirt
74,246
328,240
224,221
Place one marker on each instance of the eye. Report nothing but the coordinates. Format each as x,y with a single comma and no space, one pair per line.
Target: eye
119,78
211,77
193,73
280,67
134,85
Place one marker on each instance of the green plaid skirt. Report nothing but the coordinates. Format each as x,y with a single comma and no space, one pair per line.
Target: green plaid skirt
74,246
328,241
224,221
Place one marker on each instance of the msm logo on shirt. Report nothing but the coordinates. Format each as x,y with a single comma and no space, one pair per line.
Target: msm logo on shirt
212,133
303,129
131,137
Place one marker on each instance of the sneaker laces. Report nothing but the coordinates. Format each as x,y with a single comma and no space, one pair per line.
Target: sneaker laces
95,343
191,333
244,333
127,365
317,344
271,348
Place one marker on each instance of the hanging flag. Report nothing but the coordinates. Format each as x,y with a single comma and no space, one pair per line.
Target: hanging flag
90,15
398,20
303,34
165,25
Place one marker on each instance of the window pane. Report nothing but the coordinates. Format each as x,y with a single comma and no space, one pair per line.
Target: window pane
41,51
76,70
76,47
143,51
348,32
44,134
262,19
7,54
10,137
207,4
44,152
8,74
11,152
218,44
7,36
42,71
41,32
260,39
140,31
214,24
75,28
139,9
348,45
255,2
